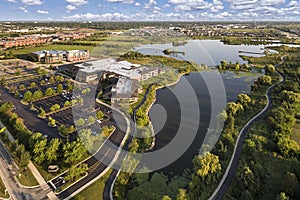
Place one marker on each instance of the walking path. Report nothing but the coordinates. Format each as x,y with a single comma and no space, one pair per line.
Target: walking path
35,172
232,166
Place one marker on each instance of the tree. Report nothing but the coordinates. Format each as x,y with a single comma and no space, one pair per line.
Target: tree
233,108
181,195
43,82
282,196
52,122
27,96
32,84
106,130
265,80
206,165
166,197
24,160
80,122
91,120
22,87
67,104
63,129
87,138
134,146
37,95
39,151
59,88
76,171
49,92
100,115
55,107
244,100
52,150
42,113
73,151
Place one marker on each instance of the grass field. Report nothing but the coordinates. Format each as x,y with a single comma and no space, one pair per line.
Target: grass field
2,190
94,191
27,179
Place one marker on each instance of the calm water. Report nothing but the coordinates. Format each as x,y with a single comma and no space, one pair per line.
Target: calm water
167,98
166,114
209,52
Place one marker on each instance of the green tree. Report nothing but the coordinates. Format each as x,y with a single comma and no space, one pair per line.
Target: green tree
100,114
67,104
80,122
49,92
24,160
55,107
91,120
182,195
51,121
42,113
39,151
76,171
37,95
244,100
59,88
234,108
27,96
32,84
52,150
73,151
134,146
282,196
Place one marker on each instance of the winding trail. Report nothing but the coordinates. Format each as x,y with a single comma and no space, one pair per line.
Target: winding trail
234,161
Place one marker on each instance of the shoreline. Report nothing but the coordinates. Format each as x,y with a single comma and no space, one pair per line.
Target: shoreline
152,103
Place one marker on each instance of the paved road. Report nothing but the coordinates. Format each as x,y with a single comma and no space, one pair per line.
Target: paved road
106,154
233,164
7,171
108,189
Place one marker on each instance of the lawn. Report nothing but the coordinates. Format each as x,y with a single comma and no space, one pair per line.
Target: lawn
27,179
94,191
2,190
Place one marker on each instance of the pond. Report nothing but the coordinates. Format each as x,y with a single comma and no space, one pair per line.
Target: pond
209,52
167,112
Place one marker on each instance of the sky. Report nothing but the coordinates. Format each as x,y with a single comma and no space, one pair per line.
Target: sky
150,10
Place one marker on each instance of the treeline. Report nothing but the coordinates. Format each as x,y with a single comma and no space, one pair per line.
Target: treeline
34,145
269,167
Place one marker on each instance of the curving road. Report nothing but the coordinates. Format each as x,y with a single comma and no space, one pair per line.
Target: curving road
108,189
233,164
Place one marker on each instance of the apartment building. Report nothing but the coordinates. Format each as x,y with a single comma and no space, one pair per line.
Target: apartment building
52,56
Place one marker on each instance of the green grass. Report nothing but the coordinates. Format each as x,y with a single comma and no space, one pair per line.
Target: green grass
94,191
2,190
27,178
296,132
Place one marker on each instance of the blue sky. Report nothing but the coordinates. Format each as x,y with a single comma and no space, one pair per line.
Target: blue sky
149,10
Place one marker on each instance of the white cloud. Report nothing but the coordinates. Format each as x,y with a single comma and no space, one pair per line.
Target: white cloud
98,17
187,5
122,1
137,4
166,5
12,1
32,2
272,2
77,2
70,7
42,12
24,9
149,4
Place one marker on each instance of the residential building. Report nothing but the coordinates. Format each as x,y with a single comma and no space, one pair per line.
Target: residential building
51,56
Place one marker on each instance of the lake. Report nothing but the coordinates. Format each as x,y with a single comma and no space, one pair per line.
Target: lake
166,113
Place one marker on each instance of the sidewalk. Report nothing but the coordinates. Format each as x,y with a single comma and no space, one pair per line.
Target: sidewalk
35,172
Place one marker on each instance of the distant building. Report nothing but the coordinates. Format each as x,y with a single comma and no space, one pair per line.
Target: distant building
50,56
92,70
